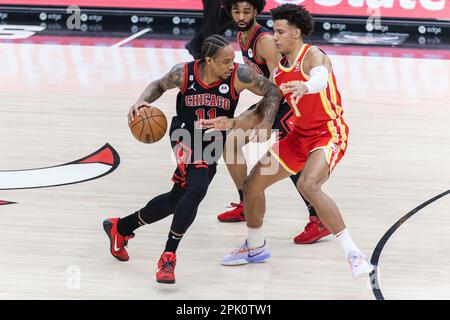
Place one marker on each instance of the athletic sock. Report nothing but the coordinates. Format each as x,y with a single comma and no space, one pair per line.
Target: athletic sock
173,241
347,243
128,224
255,237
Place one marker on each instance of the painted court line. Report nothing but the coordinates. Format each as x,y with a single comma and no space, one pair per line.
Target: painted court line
134,36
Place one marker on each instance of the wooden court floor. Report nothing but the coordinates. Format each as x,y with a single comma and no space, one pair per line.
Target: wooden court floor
61,103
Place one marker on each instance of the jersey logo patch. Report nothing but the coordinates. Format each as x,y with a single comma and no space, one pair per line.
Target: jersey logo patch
250,53
224,88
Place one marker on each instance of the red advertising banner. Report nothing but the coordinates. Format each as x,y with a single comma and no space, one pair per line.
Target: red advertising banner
425,9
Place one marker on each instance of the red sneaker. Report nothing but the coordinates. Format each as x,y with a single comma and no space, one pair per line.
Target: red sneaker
314,230
166,268
235,215
117,242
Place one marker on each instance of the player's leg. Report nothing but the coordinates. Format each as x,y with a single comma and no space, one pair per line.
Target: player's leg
312,212
314,174
314,230
198,179
120,230
235,159
265,173
186,208
237,167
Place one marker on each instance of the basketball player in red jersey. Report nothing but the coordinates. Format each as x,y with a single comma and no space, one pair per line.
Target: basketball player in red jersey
261,55
209,87
314,146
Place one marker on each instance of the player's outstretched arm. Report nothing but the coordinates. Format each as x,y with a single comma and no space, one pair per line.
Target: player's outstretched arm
173,79
263,116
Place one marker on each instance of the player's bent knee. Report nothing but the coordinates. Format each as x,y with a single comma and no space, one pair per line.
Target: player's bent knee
308,186
198,191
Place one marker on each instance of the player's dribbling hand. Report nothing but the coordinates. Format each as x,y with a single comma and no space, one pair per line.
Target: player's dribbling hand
134,110
219,123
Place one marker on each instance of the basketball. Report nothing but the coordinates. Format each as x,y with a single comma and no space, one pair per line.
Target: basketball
150,125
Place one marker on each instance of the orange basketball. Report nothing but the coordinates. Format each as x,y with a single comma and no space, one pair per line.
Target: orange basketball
150,126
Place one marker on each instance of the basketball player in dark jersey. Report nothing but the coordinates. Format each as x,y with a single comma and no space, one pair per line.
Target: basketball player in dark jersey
261,55
209,87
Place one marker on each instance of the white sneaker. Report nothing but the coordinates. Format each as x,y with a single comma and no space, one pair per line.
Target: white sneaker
359,264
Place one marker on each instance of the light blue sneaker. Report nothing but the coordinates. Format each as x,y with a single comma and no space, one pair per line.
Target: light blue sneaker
244,254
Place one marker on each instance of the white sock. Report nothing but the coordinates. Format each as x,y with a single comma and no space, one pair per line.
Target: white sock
255,237
347,242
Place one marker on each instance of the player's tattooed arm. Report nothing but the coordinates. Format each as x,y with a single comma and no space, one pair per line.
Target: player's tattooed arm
173,79
260,85
262,117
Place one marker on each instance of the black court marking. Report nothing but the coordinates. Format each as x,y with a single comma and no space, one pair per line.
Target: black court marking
2,202
379,248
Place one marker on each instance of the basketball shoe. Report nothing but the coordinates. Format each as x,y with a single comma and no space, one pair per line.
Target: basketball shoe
314,230
117,242
234,215
359,264
166,268
244,254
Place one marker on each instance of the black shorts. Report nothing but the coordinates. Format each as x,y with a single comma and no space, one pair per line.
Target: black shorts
283,120
188,152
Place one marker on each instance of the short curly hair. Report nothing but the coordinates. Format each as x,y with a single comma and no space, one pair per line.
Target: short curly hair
258,4
296,15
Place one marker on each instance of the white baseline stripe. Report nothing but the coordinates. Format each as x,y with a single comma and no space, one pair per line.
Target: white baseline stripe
47,177
134,36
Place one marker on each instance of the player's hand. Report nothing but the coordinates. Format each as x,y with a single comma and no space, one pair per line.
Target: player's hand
219,123
261,132
298,89
134,110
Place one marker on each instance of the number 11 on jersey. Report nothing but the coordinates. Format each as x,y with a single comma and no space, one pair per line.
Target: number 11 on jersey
201,115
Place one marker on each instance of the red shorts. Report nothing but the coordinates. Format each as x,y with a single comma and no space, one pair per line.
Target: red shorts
293,150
